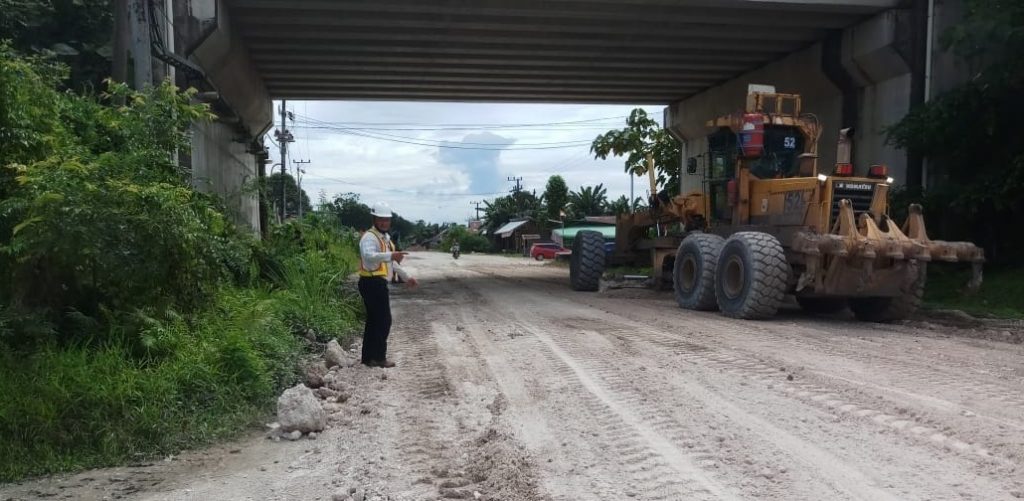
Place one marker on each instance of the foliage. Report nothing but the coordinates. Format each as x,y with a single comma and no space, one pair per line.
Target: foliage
518,205
642,136
353,213
1000,295
556,196
98,219
307,262
971,133
291,206
588,201
468,242
67,407
134,318
75,31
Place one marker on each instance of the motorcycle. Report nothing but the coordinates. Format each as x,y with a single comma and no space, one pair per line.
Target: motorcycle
455,253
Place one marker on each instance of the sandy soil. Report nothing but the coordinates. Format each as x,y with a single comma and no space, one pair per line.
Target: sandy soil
510,386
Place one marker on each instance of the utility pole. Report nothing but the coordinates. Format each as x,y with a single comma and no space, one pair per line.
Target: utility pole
478,209
122,38
283,138
516,180
299,171
141,43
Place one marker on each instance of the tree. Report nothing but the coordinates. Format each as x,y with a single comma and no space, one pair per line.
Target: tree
77,32
291,208
971,135
642,136
588,201
518,205
556,195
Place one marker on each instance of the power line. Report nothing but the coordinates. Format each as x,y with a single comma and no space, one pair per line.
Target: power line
447,142
391,125
404,192
452,146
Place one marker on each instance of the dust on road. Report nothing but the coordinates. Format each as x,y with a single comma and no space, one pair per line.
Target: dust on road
510,386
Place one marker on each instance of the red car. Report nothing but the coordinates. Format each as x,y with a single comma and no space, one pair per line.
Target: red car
544,251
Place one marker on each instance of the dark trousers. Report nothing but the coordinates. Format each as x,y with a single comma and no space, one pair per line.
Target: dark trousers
374,291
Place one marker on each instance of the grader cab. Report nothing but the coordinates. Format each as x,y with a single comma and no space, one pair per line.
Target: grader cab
768,222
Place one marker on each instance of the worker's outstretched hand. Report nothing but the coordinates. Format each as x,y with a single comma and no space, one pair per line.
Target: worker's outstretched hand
412,283
398,256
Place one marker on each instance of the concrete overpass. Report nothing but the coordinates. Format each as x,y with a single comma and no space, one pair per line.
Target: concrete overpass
859,63
592,51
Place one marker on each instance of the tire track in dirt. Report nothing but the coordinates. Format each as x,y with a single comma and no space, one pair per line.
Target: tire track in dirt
924,373
904,370
754,369
597,371
654,468
624,376
825,397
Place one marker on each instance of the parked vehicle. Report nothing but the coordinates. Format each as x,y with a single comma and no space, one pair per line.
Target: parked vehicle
544,251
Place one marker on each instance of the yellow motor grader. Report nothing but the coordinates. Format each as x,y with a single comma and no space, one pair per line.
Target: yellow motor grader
767,223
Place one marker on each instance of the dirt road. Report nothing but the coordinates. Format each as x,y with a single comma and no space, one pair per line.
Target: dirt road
510,386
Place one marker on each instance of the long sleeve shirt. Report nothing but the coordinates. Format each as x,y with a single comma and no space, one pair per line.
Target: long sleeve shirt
372,255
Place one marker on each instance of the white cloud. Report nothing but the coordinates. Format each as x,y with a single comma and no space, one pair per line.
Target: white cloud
424,181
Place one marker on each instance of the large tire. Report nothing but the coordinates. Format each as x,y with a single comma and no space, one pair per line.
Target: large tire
821,304
693,276
751,276
587,262
892,309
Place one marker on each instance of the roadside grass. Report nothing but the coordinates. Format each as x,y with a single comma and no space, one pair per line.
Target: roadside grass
1001,294
197,378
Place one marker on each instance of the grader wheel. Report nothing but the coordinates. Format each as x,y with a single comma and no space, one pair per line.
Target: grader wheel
751,276
586,264
693,274
892,309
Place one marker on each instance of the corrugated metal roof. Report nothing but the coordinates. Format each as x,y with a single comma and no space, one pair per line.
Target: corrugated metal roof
506,230
559,235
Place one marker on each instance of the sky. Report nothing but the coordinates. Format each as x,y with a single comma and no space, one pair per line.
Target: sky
431,160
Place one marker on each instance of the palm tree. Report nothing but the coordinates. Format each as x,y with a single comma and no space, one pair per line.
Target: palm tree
588,201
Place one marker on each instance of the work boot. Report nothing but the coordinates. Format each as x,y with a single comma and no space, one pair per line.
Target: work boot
387,364
371,363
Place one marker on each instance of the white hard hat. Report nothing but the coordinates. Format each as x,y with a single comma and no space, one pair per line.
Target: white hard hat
381,209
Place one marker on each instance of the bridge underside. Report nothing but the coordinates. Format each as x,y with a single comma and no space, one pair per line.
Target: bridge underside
573,51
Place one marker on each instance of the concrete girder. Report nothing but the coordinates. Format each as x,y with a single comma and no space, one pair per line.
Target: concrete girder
632,50
821,13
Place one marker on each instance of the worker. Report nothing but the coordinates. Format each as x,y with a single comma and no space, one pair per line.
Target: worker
377,260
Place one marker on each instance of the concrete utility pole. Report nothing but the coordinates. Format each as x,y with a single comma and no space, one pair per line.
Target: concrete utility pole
283,138
478,209
518,185
298,183
141,43
122,38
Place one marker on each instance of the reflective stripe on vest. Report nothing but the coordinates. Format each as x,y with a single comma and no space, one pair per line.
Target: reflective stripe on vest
383,269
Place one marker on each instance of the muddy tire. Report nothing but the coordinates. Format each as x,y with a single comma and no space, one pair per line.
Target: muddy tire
892,309
751,276
821,304
693,275
587,262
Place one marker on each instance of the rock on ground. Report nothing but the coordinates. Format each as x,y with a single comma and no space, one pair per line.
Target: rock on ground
313,374
335,355
298,409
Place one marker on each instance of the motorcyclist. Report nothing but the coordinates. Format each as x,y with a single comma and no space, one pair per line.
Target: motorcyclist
455,250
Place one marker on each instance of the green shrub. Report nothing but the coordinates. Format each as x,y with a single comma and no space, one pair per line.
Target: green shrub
71,407
468,242
134,318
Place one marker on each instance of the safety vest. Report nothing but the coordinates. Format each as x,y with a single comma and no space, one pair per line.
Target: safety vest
383,270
